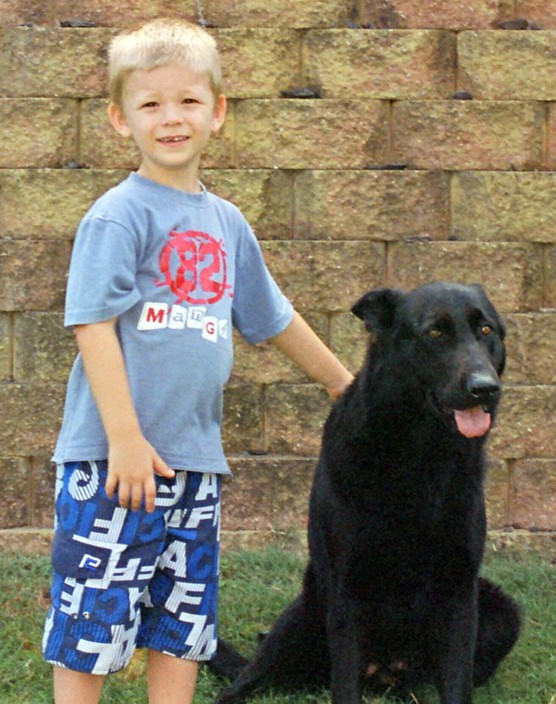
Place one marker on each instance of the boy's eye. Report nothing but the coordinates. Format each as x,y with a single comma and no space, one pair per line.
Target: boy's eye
189,101
150,104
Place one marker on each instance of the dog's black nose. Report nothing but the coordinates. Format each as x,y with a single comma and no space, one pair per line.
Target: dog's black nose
484,387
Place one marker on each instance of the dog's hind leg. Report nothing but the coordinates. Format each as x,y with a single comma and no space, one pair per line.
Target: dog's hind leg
291,656
498,630
228,661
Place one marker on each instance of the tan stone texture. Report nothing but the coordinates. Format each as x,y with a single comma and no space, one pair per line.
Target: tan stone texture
527,423
14,485
37,132
543,14
325,275
467,134
6,348
49,203
286,13
456,14
267,493
349,63
30,417
424,150
504,206
533,494
511,273
53,62
366,205
44,349
507,65
258,63
265,197
33,274
310,134
531,346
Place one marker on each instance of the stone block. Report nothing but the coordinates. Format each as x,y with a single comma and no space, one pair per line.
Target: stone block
533,494
33,274
456,14
17,12
349,340
41,58
30,417
6,346
468,134
531,347
497,494
526,425
49,203
267,493
264,364
286,13
371,205
42,485
258,63
551,138
386,64
511,273
43,349
14,492
543,14
242,427
102,147
294,417
550,278
504,206
311,134
264,197
37,132
124,13
507,65
325,276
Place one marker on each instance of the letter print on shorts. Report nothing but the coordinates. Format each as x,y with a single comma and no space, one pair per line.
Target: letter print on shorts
105,557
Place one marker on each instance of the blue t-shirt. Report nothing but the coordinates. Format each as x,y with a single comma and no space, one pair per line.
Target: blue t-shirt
177,270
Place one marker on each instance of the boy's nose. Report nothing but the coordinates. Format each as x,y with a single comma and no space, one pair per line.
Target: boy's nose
172,114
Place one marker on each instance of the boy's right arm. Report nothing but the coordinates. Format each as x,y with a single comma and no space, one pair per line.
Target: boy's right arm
132,461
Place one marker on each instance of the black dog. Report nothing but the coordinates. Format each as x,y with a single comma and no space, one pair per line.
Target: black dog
397,517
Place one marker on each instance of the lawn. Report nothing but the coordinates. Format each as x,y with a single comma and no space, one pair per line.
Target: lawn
255,587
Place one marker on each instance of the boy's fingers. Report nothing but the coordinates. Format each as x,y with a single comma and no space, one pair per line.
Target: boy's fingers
160,467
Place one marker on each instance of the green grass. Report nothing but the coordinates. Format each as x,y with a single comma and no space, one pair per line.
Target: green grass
256,585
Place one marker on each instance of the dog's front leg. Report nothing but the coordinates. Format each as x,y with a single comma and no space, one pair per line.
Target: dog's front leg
344,654
455,673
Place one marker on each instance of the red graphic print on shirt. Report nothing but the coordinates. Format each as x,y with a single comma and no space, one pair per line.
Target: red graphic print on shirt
193,265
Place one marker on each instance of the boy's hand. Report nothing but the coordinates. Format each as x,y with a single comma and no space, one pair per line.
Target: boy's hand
132,465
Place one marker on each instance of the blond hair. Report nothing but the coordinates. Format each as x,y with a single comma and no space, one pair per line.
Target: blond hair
159,43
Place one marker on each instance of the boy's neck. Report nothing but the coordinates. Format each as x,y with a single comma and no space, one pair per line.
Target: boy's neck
187,182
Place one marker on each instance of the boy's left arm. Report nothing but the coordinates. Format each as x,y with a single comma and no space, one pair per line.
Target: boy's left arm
309,353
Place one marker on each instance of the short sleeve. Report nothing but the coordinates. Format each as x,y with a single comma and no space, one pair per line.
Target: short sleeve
260,310
102,275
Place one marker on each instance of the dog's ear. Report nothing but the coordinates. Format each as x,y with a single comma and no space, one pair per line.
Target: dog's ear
377,309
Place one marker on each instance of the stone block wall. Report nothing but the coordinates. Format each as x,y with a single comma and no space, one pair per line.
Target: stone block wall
424,148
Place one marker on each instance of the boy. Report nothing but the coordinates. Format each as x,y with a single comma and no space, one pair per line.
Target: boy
160,271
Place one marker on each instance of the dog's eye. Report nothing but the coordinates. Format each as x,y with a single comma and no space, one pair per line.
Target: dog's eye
434,333
486,330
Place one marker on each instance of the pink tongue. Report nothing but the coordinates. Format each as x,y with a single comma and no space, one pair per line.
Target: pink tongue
473,422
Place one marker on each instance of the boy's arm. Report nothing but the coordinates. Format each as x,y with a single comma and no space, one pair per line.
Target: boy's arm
304,348
132,461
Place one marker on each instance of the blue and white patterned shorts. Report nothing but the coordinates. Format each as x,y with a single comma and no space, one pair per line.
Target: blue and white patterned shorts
125,579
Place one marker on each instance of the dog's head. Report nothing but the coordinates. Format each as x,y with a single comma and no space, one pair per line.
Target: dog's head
445,339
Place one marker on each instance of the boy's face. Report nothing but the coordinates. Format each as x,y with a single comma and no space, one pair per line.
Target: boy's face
170,112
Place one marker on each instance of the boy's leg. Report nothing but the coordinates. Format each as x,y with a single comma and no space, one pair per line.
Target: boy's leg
71,687
171,680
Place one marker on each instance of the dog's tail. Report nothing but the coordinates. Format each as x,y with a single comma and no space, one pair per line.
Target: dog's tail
228,661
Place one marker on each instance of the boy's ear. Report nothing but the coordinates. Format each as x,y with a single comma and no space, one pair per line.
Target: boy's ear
117,118
219,113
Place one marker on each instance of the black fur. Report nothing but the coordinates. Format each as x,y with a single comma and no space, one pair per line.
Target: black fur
391,594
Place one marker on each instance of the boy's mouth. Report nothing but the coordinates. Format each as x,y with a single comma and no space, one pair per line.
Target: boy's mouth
171,140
